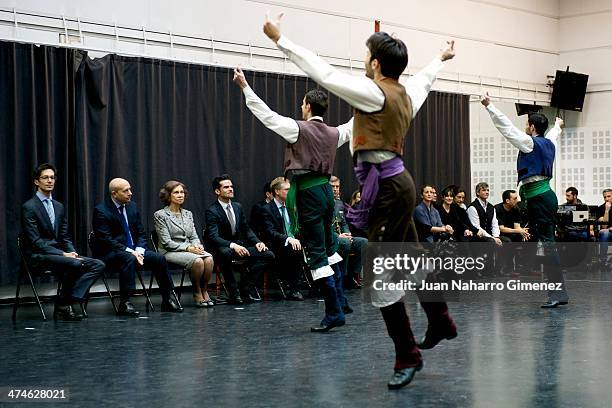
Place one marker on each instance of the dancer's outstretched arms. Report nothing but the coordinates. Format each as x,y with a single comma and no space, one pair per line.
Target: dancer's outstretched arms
346,133
285,127
360,92
515,136
419,85
518,138
554,132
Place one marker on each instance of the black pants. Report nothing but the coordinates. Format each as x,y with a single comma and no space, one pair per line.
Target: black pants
541,212
255,263
288,265
77,275
126,265
315,214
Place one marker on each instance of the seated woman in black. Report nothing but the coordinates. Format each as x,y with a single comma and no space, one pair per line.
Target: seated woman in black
455,216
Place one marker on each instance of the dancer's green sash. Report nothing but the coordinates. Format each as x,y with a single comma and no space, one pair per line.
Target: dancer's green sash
533,189
298,183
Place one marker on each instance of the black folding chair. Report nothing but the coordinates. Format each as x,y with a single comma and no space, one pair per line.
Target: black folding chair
138,272
219,281
171,267
24,270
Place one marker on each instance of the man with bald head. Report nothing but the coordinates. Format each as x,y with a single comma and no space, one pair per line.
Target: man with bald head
120,241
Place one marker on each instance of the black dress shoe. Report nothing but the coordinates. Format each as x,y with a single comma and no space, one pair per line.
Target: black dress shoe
235,300
353,283
295,295
551,304
432,338
127,309
325,328
403,376
169,305
66,313
347,309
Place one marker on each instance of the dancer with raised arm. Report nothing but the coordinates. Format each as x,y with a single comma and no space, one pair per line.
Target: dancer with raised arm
384,109
309,162
535,169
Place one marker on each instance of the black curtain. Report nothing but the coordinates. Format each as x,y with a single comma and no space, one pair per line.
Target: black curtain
437,150
36,126
150,121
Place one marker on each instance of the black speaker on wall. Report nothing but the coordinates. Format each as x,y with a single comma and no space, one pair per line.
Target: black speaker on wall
527,109
569,90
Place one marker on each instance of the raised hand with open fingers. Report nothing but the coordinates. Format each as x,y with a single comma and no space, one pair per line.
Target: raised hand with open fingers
272,27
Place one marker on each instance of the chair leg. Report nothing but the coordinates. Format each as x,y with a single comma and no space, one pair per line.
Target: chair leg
181,286
280,286
16,304
151,282
40,306
84,308
57,295
110,294
305,273
178,301
227,294
146,293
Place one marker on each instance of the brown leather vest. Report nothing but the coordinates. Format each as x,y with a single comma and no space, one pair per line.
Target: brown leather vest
315,149
387,128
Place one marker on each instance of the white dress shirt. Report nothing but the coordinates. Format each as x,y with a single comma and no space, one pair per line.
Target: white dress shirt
475,219
360,92
518,138
285,127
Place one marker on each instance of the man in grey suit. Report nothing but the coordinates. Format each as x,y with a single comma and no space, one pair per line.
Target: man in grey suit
46,244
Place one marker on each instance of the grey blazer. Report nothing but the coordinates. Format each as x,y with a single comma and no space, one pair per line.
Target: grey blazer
172,234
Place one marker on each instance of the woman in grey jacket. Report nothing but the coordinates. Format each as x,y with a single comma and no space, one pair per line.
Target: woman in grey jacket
179,242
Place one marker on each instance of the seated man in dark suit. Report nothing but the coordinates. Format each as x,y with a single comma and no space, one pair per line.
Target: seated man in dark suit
46,245
256,220
229,237
277,235
120,241
350,248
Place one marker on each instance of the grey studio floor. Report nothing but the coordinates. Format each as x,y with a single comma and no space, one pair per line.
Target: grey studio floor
509,353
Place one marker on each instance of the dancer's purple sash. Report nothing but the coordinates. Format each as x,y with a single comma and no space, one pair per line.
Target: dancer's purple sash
369,176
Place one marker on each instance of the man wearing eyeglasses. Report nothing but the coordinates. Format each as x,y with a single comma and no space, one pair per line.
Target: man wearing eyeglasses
46,245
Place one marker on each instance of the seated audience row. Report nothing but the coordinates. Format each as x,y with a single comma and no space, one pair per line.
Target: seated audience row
119,241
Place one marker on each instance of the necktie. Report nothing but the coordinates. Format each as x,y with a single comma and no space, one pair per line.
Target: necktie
126,228
285,223
50,211
230,217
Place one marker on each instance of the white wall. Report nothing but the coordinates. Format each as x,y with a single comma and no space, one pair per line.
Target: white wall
498,42
585,43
